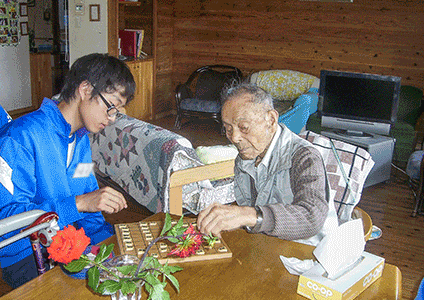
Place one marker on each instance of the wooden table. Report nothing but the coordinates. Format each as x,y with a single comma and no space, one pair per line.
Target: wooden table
254,272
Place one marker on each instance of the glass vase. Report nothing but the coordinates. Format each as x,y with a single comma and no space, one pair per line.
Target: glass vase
118,261
91,251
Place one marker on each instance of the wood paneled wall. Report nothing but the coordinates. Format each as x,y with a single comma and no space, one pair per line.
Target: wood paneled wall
370,36
163,101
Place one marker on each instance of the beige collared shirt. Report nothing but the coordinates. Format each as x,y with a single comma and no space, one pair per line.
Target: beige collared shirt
258,173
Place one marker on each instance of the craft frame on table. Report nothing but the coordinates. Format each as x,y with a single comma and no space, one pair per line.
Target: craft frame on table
180,178
135,236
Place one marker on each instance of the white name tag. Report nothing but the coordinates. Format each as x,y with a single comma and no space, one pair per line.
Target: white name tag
6,175
83,170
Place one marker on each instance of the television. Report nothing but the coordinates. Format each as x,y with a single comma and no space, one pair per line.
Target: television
358,104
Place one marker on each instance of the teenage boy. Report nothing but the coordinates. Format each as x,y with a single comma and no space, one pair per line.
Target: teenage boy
45,158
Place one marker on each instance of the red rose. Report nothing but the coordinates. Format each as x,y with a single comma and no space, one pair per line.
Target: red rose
68,244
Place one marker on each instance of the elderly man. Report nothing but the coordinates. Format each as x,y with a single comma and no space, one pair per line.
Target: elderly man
280,181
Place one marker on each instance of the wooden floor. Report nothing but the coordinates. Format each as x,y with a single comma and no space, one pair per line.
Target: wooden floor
389,204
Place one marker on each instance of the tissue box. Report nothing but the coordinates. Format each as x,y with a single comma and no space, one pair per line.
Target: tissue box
314,285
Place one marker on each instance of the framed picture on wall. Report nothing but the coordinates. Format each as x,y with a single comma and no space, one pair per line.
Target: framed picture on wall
23,9
24,28
31,3
94,12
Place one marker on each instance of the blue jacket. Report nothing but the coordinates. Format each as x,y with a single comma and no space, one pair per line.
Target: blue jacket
4,117
34,175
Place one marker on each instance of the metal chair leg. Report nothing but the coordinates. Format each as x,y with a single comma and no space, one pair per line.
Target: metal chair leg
417,203
178,122
419,194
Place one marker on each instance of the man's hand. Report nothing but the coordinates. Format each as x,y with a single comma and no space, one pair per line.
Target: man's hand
105,199
217,217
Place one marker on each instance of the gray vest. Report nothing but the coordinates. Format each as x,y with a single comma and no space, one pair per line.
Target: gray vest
277,187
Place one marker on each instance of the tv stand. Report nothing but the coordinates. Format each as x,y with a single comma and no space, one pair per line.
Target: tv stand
378,146
352,133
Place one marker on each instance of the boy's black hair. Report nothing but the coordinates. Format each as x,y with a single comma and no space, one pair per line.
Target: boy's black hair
106,73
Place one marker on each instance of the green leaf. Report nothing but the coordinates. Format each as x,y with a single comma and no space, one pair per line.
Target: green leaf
109,287
109,250
147,263
165,296
167,224
210,239
93,275
99,256
161,296
148,288
126,270
157,288
151,262
76,265
153,280
175,228
172,269
174,281
173,240
104,253
180,222
179,231
156,263
128,286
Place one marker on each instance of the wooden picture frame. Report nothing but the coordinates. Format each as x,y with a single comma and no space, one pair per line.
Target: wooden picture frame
94,12
24,28
31,3
23,9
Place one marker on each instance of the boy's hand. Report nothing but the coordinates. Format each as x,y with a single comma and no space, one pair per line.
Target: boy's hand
104,199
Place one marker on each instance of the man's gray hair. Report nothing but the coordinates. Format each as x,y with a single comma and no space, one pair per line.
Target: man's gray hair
258,95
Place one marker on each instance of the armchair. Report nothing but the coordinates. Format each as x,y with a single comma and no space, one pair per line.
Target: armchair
295,95
200,95
415,172
409,110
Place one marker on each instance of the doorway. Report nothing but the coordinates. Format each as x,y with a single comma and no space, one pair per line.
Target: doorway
48,32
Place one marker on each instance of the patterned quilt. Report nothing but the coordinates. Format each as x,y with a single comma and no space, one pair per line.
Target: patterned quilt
346,171
140,158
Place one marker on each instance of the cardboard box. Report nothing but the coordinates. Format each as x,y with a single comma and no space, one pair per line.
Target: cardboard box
314,284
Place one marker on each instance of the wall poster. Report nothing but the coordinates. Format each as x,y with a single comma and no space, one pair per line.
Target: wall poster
9,22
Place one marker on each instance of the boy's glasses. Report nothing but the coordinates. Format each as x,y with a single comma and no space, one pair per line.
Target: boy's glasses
112,111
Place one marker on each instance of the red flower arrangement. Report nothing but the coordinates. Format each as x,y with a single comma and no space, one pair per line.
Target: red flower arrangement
69,244
189,243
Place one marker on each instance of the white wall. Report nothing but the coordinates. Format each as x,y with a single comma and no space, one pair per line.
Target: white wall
84,36
15,90
43,29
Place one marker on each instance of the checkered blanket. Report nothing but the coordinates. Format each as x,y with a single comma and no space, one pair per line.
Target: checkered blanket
355,163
